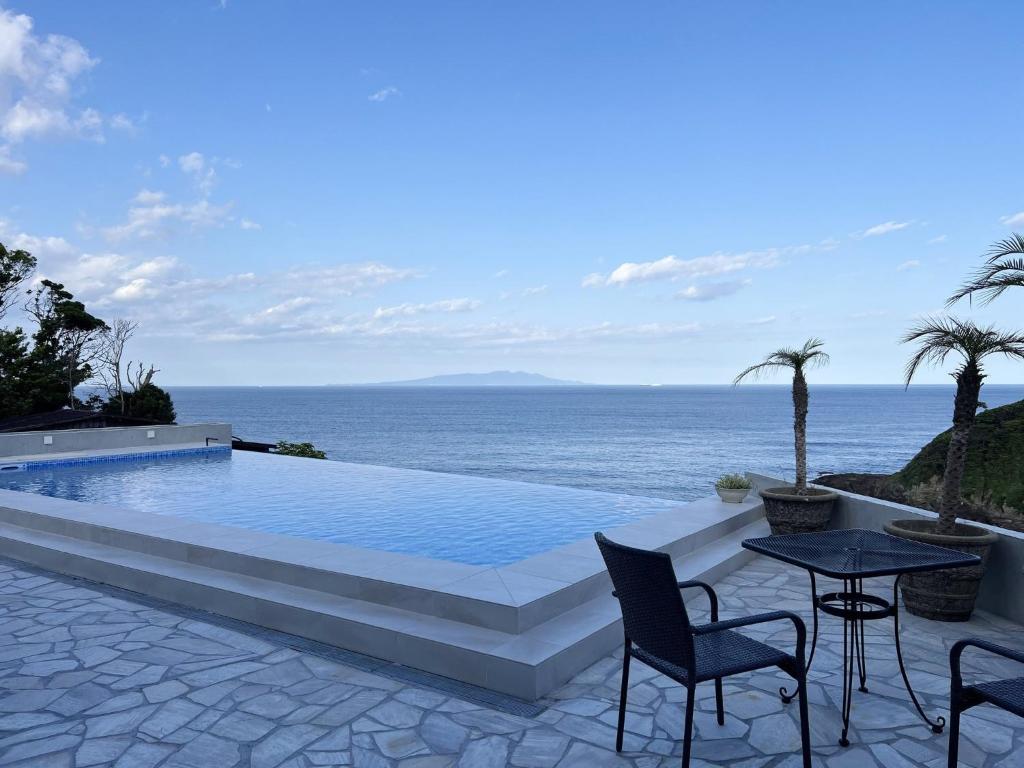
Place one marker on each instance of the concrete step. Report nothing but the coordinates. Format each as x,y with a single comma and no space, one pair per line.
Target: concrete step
526,664
510,599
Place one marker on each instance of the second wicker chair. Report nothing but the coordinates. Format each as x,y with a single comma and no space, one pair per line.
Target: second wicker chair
658,632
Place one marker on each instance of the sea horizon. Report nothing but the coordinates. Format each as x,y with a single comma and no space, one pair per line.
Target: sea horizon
668,441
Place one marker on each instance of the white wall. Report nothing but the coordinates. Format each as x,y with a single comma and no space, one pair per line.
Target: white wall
25,444
1002,589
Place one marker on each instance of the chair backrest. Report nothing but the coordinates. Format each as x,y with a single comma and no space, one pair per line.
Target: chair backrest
653,612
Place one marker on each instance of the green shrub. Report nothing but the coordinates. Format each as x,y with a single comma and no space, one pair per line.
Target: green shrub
733,482
303,450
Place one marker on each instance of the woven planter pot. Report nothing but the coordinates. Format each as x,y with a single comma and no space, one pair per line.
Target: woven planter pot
947,595
791,512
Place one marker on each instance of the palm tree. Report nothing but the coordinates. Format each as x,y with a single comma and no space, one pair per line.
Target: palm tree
1004,268
810,355
937,338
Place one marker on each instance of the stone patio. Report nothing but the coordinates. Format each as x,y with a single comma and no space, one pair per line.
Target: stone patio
90,676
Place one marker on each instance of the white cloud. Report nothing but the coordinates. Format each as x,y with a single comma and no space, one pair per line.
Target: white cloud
536,290
121,122
249,224
674,268
8,164
711,291
152,216
592,280
1014,220
501,273
155,267
149,197
384,94
883,229
767,320
42,247
37,78
909,264
288,307
408,310
939,239
342,279
194,164
165,161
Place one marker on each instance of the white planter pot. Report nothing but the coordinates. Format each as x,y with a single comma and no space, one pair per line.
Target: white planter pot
732,495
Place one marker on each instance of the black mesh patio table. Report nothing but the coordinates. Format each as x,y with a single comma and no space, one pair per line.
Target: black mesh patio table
853,555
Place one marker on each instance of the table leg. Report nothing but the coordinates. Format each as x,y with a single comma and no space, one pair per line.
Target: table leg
939,722
783,692
849,651
862,665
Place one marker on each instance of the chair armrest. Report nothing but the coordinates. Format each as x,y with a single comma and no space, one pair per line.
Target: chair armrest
961,645
761,618
712,596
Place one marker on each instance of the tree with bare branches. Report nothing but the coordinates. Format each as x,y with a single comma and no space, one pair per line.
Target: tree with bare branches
111,374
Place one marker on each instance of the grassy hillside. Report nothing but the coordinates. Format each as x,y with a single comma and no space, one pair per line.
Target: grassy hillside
993,487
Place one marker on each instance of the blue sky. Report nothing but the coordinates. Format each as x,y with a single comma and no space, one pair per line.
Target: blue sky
321,192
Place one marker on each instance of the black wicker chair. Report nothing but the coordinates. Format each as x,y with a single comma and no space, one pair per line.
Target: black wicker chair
1005,694
659,633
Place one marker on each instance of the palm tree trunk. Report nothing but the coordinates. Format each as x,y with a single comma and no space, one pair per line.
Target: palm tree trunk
965,407
800,428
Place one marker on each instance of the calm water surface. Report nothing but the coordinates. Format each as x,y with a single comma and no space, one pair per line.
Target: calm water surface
669,442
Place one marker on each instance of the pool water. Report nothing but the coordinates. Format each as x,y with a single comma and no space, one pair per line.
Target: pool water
474,520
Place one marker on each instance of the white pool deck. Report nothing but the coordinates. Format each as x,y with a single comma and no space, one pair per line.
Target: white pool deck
521,629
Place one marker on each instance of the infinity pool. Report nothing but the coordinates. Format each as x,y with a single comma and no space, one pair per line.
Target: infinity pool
472,520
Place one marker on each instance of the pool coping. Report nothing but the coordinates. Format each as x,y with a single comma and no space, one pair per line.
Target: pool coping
105,455
510,598
518,628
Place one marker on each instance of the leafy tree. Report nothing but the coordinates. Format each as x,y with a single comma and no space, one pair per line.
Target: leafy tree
303,450
66,336
1003,269
15,268
145,400
937,338
810,355
150,402
16,397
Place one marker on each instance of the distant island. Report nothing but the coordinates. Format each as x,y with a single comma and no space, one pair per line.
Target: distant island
492,379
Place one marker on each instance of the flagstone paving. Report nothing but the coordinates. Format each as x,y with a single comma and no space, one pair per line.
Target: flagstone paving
90,678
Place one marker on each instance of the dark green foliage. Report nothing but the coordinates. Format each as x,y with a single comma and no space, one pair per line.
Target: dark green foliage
15,268
148,402
994,473
303,450
61,343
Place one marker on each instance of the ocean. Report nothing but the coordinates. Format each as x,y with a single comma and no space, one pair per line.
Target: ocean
666,442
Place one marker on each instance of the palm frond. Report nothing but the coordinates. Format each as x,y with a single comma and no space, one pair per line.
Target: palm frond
1000,271
937,338
1011,246
810,355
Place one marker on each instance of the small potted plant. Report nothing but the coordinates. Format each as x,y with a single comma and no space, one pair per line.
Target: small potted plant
796,508
732,488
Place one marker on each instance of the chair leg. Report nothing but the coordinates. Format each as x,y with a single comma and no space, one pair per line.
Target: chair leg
954,733
691,695
805,730
626,654
719,701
